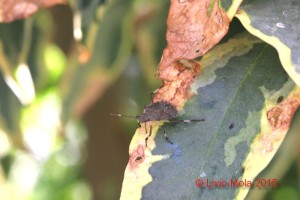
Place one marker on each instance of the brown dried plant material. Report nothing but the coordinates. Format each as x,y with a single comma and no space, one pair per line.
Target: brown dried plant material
15,9
194,26
177,91
281,116
192,30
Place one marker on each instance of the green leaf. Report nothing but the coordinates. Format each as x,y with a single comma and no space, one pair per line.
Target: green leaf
110,52
55,61
241,81
114,35
9,109
230,6
12,39
150,35
277,23
87,9
281,165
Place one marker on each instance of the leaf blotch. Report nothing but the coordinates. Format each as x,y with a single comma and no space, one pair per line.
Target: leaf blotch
137,157
281,116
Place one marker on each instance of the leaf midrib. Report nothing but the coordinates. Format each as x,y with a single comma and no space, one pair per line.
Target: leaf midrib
217,132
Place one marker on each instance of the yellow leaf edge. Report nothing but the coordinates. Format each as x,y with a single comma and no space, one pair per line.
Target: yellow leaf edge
265,145
283,50
136,174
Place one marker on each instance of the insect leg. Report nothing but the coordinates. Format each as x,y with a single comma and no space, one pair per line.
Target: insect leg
153,93
150,133
165,134
186,120
146,127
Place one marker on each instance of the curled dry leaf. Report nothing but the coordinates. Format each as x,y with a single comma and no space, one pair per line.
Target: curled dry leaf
15,9
193,29
194,26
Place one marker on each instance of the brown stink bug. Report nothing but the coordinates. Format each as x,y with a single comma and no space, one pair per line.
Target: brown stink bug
158,111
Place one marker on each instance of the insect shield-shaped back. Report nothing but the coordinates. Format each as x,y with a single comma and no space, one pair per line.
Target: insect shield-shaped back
158,111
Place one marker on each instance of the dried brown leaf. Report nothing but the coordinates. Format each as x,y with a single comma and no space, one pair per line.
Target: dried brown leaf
15,9
193,28
177,91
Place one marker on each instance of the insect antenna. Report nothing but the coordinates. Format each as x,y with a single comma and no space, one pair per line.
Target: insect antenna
166,137
128,116
120,115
